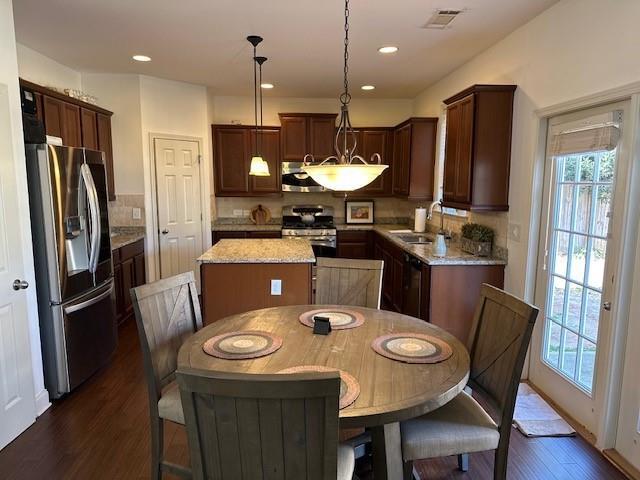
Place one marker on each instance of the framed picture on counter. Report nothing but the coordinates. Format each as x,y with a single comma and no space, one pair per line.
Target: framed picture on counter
358,212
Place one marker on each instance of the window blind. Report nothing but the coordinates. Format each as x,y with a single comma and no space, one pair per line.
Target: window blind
598,138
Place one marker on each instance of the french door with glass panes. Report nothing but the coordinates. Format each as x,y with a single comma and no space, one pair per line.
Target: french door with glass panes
575,278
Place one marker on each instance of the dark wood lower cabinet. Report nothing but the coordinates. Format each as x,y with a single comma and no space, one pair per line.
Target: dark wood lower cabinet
219,235
128,271
354,244
448,293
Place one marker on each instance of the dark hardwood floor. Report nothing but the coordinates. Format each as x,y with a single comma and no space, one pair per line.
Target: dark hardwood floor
101,431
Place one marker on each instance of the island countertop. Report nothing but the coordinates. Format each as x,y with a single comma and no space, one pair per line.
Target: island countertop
259,250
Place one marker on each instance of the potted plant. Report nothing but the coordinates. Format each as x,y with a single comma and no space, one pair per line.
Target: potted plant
476,239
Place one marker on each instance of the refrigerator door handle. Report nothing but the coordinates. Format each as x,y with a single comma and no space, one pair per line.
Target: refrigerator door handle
88,303
94,215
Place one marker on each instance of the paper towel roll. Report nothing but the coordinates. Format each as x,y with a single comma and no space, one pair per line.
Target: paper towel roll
420,219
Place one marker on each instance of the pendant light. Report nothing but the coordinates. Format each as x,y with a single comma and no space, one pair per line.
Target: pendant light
344,171
259,167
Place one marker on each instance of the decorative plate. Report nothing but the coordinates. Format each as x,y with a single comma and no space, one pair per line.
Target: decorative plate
412,348
340,318
242,345
349,386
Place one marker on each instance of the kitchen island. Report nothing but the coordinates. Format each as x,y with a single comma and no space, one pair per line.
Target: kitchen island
238,275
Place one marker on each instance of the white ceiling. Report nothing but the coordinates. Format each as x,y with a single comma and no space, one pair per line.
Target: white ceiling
203,41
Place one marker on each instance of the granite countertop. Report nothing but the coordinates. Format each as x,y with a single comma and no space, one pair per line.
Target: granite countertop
261,250
454,255
121,236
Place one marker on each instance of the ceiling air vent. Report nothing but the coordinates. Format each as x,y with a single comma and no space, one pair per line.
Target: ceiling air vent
442,18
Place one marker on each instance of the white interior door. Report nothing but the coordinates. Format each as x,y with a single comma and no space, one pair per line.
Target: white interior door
17,400
179,205
576,278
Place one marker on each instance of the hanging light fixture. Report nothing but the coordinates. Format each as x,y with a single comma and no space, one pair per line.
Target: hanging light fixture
259,167
344,171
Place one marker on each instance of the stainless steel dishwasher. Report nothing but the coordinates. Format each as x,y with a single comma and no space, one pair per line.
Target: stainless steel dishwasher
412,285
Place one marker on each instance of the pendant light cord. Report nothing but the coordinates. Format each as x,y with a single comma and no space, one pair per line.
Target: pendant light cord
261,130
255,101
345,98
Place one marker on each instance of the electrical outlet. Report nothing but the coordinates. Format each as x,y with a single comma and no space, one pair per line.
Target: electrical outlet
246,213
276,287
137,213
514,232
237,212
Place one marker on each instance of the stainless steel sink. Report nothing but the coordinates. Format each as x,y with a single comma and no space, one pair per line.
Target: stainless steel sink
414,238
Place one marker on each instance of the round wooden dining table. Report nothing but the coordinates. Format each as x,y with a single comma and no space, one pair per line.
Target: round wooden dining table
390,391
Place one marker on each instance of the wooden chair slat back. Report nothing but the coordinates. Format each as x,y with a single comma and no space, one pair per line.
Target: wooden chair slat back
167,312
244,427
343,281
498,345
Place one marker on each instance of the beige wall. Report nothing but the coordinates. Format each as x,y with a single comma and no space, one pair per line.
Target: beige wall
576,48
38,68
367,113
121,94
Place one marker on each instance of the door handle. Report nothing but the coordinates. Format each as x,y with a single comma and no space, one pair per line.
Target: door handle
607,306
165,231
20,284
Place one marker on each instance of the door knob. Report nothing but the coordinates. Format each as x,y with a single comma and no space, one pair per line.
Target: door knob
165,231
607,306
20,284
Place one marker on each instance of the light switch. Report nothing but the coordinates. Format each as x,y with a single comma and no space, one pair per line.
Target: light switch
514,232
137,214
276,287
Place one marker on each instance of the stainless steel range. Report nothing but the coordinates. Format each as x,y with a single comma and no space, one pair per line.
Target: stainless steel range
313,223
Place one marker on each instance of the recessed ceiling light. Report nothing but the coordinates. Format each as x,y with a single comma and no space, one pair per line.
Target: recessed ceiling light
141,58
388,49
266,85
367,87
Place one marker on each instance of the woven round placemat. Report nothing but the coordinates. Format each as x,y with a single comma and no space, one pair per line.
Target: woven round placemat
242,345
349,386
412,348
340,318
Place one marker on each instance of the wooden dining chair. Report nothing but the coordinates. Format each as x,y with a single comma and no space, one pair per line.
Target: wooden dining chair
497,346
273,426
344,281
167,312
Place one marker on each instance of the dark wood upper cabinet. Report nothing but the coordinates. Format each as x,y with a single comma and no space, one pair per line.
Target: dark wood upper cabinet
233,146
89,124
53,117
270,151
322,136
374,140
414,152
103,123
231,160
72,130
77,123
303,133
478,148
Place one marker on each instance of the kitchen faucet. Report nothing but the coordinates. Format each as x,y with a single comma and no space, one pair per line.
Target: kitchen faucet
430,214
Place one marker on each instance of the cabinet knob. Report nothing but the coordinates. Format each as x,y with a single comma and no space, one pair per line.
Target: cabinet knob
165,231
20,284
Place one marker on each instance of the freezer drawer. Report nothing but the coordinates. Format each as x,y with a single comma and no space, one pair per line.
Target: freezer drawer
90,333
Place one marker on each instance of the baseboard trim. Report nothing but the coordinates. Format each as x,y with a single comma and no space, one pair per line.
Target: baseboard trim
622,464
42,402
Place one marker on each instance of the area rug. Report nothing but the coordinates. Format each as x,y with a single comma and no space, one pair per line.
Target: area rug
536,418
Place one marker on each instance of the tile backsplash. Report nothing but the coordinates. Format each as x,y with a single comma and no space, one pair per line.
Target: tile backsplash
121,211
223,207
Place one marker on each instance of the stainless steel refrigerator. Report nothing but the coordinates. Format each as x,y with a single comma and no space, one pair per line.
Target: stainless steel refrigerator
74,272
